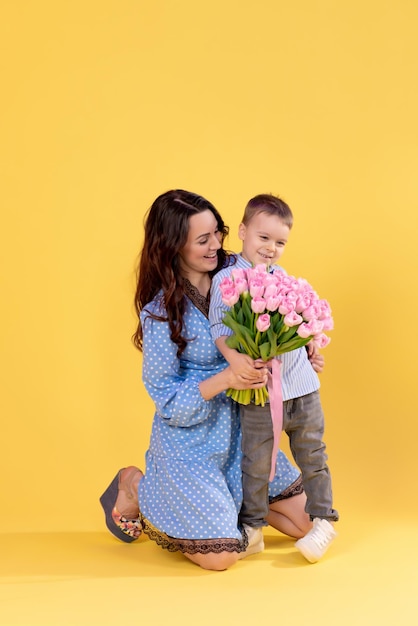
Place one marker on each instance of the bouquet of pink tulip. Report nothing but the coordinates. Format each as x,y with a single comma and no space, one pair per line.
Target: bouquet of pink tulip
271,313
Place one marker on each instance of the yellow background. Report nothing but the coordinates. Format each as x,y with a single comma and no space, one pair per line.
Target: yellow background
107,104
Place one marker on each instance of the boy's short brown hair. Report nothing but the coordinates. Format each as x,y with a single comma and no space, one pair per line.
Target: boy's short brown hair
272,205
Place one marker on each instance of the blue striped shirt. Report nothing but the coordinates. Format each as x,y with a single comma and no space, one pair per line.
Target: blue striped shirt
298,375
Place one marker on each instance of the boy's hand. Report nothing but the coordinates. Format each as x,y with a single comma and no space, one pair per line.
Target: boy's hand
316,359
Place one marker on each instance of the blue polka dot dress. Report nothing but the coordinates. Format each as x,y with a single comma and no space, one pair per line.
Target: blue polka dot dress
192,485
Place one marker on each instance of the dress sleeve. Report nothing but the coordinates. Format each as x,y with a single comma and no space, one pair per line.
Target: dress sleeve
217,310
173,389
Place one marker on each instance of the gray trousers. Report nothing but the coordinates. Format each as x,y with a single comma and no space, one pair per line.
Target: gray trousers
303,422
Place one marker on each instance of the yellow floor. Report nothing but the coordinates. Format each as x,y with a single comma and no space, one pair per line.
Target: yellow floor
369,577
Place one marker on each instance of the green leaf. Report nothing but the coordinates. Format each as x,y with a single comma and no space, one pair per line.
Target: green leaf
272,338
233,342
272,335
228,319
288,334
265,349
277,323
293,344
247,312
243,335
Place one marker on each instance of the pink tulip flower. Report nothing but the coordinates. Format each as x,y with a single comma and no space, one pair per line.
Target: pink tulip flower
312,312
263,322
292,319
322,340
324,308
286,306
241,284
328,323
258,305
256,288
230,296
238,273
302,303
261,269
313,327
226,283
271,290
272,302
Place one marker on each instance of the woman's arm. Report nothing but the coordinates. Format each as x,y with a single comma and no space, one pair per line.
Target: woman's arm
227,379
181,397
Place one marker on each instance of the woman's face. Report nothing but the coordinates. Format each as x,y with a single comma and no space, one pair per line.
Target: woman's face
199,255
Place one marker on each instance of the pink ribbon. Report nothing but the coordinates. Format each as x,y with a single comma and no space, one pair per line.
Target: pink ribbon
274,387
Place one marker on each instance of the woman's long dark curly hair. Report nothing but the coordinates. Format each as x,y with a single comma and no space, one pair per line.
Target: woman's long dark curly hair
166,229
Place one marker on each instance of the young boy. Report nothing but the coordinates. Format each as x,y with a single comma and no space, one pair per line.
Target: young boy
264,232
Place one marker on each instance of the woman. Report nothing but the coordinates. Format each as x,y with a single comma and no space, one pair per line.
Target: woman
190,496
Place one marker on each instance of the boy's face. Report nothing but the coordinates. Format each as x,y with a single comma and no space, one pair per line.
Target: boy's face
263,239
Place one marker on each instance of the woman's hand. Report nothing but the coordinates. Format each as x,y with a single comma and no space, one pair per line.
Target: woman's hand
228,380
243,366
258,380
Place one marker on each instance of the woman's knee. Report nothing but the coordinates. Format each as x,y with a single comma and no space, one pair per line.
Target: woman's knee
212,561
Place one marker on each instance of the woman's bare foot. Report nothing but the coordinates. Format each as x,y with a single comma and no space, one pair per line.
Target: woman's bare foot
127,500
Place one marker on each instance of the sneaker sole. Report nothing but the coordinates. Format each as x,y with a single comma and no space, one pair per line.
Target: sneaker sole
308,555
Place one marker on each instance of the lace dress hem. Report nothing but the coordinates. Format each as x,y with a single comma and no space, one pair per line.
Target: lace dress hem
293,490
192,546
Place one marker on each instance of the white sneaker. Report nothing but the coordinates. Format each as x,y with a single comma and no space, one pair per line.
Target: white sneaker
317,541
255,541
